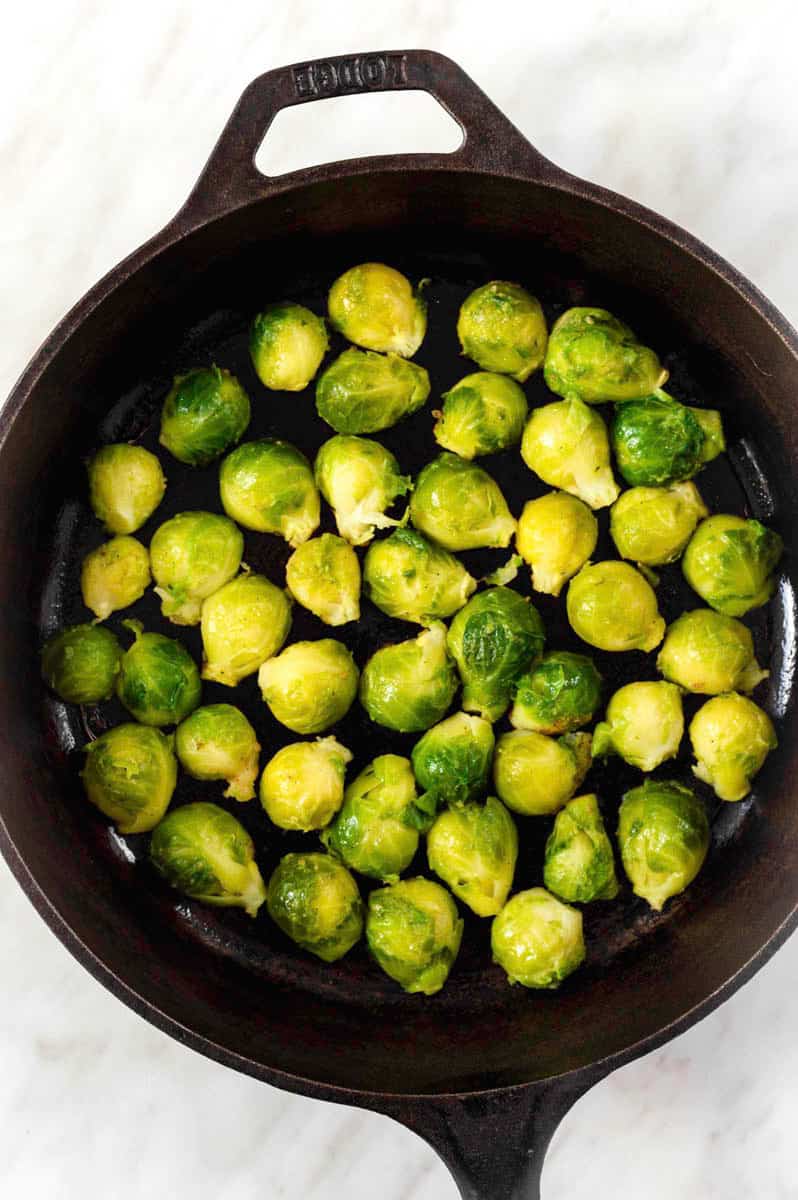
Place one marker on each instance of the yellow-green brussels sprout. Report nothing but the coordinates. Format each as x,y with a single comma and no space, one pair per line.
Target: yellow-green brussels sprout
452,761
731,738
414,932
192,556
323,575
376,831
158,680
268,486
502,327
375,306
408,577
205,413
658,441
287,343
81,663
302,786
130,774
359,479
243,624
652,525
410,685
492,640
114,575
579,864
611,606
315,901
644,725
663,835
460,506
218,742
558,693
474,849
207,854
310,686
730,562
364,392
482,414
126,485
566,445
537,939
535,775
556,536
593,355
705,651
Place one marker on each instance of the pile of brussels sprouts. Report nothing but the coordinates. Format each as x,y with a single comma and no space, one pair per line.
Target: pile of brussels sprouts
464,789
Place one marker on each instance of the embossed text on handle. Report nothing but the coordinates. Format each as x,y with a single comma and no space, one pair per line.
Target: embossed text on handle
330,77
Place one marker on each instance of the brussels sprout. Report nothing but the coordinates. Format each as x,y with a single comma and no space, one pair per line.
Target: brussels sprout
410,685
375,306
192,556
205,413
610,605
364,392
579,864
268,486
315,901
81,663
243,624
593,355
566,445
130,774
310,686
707,652
204,852
452,761
535,775
218,742
287,343
474,849
413,579
537,939
730,562
158,680
126,485
644,725
502,327
652,525
482,414
302,787
557,694
376,831
663,835
492,640
323,575
556,536
460,506
658,441
731,738
414,932
114,575
359,479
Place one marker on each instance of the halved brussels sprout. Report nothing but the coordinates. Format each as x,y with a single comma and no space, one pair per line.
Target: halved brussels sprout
359,479
375,306
705,651
644,725
310,686
268,486
302,786
376,831
218,742
556,536
364,392
243,624
460,506
482,414
658,441
474,849
652,525
559,693
192,555
611,606
315,901
593,355
535,775
452,761
414,932
410,685
731,738
158,680
114,575
126,485
492,640
566,445
502,327
408,577
537,939
81,663
579,864
323,575
731,562
287,343
205,413
663,835
130,774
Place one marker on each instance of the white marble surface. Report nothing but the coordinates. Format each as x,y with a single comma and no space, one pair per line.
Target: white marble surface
109,110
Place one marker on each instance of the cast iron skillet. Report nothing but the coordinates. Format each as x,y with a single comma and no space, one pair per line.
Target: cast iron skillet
482,1072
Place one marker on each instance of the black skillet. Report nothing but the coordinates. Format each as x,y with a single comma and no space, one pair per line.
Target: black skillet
483,1072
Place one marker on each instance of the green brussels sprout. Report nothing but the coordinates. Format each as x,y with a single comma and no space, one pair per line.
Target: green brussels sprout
130,774
663,835
408,577
81,663
705,651
205,413
364,392
535,775
376,831
658,441
731,562
287,343
482,414
310,685
566,445
192,555
474,849
644,725
114,575
731,738
410,685
323,575
502,327
302,786
375,306
579,864
556,536
158,680
414,932
593,355
537,939
359,479
460,506
268,486
315,901
218,742
126,485
558,693
611,606
452,761
243,624
492,640
652,525
207,854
